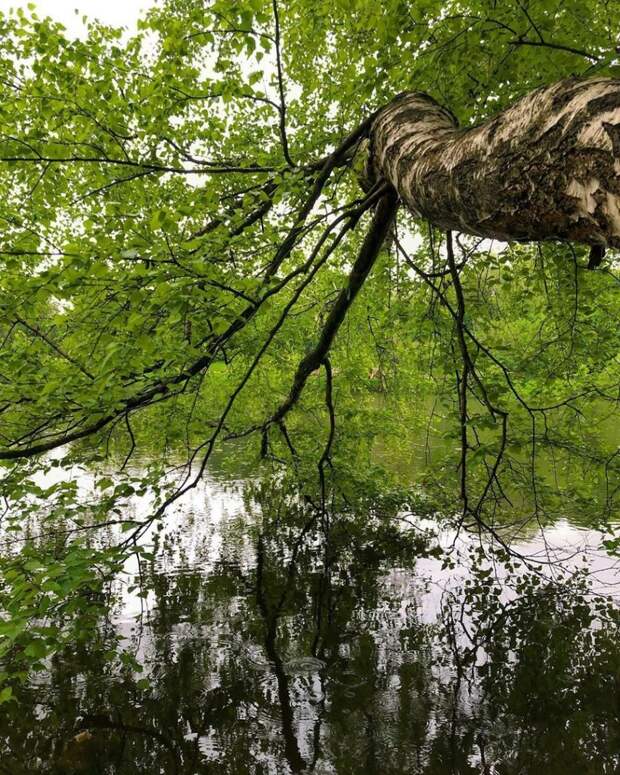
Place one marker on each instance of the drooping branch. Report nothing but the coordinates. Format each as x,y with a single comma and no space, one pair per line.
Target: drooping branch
42,335
544,169
374,240
463,378
379,228
324,167
169,386
282,105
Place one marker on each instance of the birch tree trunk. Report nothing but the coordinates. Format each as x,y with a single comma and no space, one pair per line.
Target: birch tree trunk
546,168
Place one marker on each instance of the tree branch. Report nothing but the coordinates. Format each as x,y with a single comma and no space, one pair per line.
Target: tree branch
379,228
282,107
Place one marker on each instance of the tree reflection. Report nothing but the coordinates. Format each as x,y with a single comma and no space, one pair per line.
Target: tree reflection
312,648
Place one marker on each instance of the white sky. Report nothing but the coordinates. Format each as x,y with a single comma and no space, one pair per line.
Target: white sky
119,13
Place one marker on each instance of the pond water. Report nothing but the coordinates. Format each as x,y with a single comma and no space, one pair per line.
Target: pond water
278,639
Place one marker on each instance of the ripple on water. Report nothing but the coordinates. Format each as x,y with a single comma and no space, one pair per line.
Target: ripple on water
303,665
256,659
348,679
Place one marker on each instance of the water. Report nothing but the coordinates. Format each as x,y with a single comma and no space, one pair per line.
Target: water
268,648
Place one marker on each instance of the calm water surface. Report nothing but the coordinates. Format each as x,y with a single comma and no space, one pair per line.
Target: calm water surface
273,642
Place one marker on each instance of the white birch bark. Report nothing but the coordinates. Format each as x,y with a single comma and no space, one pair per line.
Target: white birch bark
546,168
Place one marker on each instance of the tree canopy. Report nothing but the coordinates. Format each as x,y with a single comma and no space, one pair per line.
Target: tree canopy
193,253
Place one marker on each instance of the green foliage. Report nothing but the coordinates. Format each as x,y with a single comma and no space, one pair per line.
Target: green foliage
146,193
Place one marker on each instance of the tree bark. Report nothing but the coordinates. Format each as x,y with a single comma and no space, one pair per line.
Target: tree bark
546,168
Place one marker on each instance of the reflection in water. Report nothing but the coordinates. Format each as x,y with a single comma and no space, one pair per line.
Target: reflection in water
277,641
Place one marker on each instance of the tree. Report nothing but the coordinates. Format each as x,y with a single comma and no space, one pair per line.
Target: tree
542,169
190,212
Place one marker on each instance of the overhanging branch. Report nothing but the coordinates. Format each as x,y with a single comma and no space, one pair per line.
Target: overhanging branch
377,232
